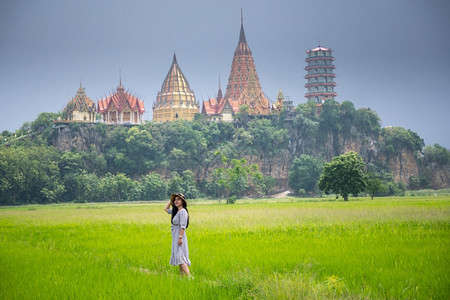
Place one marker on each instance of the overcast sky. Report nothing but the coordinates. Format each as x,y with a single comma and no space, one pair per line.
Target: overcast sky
390,55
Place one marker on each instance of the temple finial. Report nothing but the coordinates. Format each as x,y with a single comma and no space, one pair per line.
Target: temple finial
242,34
219,82
120,77
174,57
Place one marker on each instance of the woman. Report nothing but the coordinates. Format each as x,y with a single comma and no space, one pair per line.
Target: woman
180,221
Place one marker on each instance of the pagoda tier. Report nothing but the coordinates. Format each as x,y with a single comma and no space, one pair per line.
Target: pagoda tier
80,108
320,76
176,100
121,107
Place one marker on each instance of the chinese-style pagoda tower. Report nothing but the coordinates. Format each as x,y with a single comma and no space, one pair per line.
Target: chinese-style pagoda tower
121,107
320,75
243,87
80,108
176,100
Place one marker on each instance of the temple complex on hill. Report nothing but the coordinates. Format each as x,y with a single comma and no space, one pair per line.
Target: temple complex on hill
320,75
176,100
80,108
121,107
243,87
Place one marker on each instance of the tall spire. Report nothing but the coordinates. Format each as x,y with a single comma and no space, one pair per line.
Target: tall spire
243,72
242,33
174,58
219,92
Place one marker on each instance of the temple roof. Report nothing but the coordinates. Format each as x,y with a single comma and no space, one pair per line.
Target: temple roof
280,95
80,102
175,81
120,99
319,48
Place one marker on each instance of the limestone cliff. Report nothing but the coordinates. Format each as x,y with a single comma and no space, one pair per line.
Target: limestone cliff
81,137
403,164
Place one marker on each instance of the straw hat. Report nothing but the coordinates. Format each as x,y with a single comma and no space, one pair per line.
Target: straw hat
183,198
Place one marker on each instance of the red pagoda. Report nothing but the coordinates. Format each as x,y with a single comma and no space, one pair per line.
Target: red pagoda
243,87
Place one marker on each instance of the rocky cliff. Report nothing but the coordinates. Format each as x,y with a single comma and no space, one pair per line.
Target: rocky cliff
403,164
81,137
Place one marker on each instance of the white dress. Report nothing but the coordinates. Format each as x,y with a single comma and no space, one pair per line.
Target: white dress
180,254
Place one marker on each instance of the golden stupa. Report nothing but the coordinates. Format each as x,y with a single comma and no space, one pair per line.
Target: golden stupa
176,100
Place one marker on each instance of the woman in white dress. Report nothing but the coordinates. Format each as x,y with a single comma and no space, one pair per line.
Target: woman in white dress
180,221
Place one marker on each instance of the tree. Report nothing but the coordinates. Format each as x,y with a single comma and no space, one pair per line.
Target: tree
344,175
188,185
153,187
374,185
238,176
267,138
368,122
304,173
397,138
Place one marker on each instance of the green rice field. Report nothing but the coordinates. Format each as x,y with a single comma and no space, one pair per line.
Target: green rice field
288,248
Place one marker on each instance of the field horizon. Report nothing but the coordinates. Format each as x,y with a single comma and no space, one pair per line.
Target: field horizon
393,247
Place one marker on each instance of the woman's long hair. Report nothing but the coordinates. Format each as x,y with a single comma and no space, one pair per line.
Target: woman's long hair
175,210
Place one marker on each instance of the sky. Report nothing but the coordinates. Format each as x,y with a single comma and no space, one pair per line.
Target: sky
390,55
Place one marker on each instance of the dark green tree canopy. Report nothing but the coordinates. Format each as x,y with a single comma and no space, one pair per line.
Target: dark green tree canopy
344,175
305,173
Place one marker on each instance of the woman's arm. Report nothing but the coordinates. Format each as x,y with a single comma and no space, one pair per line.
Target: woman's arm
180,237
166,208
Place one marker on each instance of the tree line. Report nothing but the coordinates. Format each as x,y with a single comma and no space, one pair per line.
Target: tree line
199,158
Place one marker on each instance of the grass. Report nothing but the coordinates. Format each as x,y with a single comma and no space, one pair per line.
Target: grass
394,248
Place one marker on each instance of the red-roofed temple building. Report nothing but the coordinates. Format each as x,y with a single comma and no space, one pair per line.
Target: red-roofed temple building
243,87
320,75
122,108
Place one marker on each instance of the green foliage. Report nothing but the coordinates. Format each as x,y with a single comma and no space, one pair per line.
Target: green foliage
238,176
395,139
375,185
29,175
153,187
142,150
368,121
436,155
304,173
231,200
175,184
330,116
347,118
344,175
266,138
188,185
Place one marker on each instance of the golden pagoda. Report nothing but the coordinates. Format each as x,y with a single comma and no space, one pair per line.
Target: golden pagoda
80,108
279,104
176,100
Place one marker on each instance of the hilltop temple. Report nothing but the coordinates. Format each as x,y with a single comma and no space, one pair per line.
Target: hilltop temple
121,107
80,108
176,100
243,87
